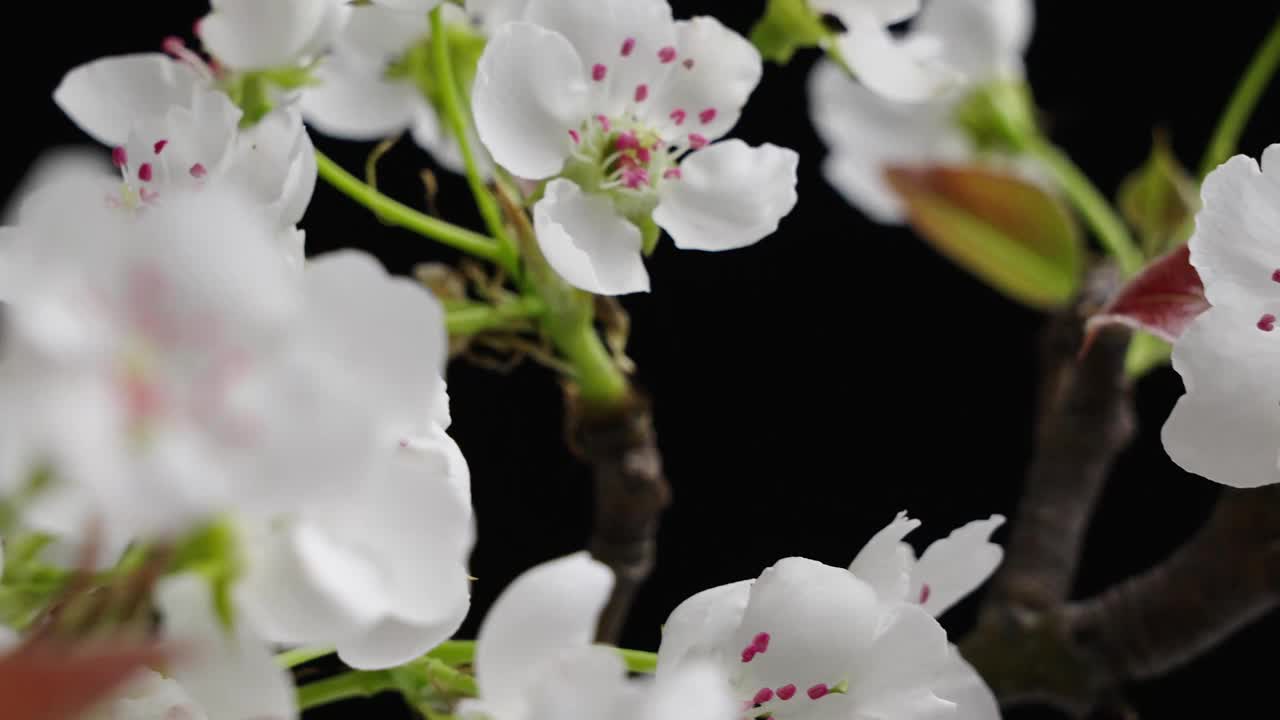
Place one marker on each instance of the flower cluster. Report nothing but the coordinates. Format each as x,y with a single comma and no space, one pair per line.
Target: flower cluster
180,380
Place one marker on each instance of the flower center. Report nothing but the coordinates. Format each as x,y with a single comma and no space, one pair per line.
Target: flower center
630,154
142,180
766,702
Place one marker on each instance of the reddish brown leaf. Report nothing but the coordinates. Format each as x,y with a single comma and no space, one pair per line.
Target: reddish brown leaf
1163,299
1009,232
41,681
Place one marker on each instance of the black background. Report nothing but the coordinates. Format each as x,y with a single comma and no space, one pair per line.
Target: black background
811,386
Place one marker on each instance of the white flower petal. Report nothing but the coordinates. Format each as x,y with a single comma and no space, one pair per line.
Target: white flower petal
697,691
276,161
1226,427
105,97
867,133
587,243
263,34
885,562
730,195
895,679
887,65
888,12
493,14
550,609
586,683
981,39
393,642
702,627
1236,246
624,37
956,565
962,685
820,621
418,7
378,33
715,72
529,92
303,586
228,675
430,134
385,334
354,102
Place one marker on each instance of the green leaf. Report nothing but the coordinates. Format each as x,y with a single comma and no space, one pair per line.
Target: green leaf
650,233
1011,234
1160,200
787,26
213,551
1146,353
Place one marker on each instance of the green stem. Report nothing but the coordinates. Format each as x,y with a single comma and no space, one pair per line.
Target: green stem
600,383
457,117
354,684
639,661
1241,106
462,652
472,318
1092,205
455,652
400,215
298,656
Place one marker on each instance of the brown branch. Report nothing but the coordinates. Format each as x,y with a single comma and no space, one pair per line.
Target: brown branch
1225,577
631,491
1086,419
1031,644
1078,656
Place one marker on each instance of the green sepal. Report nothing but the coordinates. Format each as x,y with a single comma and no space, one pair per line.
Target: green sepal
213,552
650,233
1160,200
1146,353
788,26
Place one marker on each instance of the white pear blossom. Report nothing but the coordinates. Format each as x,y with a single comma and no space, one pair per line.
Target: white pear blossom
134,354
358,97
883,120
807,640
380,569
218,674
170,129
950,44
535,661
623,103
1227,426
248,35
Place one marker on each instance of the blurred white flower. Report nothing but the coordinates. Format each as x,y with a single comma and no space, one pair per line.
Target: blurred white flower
621,101
1227,425
134,354
170,129
380,569
808,640
903,108
360,97
247,35
219,673
535,661
947,571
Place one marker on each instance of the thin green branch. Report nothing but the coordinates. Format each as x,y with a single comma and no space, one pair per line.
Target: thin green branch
472,318
298,656
639,661
459,123
354,684
1092,205
1243,102
401,215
